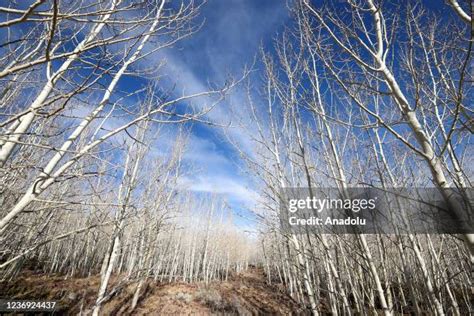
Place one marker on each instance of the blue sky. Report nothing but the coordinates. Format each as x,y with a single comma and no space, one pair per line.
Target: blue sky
231,35
229,39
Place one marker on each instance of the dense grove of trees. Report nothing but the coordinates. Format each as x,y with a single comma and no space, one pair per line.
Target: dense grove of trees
88,178
354,93
368,93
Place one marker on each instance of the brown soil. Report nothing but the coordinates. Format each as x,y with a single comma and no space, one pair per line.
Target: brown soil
244,294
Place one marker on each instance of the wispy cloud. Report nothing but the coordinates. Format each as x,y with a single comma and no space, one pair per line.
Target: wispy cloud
229,40
223,185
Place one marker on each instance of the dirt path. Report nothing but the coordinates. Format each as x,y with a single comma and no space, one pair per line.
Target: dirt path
244,294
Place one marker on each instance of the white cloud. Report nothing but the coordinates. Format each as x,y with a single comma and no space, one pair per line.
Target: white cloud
224,185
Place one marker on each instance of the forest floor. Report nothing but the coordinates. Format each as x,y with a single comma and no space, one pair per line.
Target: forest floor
246,293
